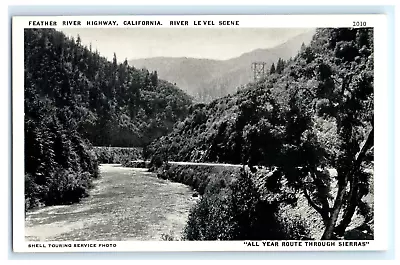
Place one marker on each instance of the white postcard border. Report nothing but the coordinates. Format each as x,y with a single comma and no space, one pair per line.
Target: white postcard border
273,21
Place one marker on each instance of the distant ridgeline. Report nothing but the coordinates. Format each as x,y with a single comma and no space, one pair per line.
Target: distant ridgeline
75,98
208,79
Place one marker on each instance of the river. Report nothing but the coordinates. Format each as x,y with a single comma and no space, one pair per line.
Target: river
125,204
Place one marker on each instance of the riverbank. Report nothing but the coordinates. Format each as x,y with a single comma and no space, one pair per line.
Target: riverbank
295,212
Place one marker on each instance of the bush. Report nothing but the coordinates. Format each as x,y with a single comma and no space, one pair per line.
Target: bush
31,192
294,228
59,165
324,106
167,237
157,161
67,187
234,212
231,206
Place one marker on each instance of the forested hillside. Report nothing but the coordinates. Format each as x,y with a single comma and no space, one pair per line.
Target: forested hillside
318,76
75,98
317,114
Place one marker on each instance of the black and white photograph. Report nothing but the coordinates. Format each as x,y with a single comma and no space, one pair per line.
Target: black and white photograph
198,134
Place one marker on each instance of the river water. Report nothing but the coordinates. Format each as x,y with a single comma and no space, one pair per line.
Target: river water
125,204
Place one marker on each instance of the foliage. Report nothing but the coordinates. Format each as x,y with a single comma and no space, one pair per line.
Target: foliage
167,237
200,178
294,228
272,69
59,164
237,212
231,205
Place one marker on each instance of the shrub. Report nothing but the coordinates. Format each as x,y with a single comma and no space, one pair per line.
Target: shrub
324,106
156,161
234,212
67,187
294,228
59,166
231,206
167,237
31,192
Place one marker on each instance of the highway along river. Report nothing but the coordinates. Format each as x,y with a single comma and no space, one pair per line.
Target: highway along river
125,204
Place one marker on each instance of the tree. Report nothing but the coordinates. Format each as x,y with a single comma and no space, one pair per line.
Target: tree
314,141
280,66
346,148
272,70
303,47
154,78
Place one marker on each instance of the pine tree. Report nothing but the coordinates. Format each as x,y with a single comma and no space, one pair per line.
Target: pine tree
280,66
272,70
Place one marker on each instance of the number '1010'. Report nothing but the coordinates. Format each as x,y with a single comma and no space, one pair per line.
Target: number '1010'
359,23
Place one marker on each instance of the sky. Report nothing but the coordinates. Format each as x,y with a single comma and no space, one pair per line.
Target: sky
219,44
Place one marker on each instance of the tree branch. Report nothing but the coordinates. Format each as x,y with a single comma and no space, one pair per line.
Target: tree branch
346,83
321,211
368,143
353,193
339,197
324,199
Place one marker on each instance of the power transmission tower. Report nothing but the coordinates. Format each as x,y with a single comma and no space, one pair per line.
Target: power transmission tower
259,70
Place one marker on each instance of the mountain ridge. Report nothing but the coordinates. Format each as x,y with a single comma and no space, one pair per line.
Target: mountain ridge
206,79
